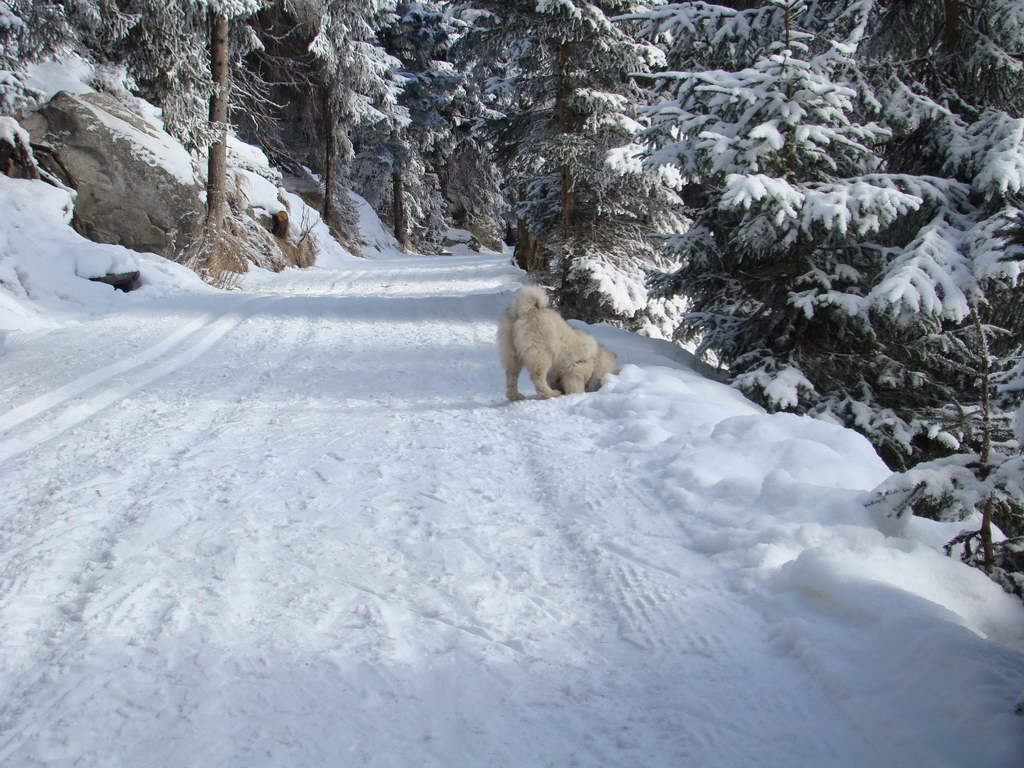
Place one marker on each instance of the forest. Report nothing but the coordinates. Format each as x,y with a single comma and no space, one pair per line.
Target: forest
824,199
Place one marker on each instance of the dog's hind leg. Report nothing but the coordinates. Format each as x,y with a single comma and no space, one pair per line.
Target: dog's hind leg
509,359
539,376
512,368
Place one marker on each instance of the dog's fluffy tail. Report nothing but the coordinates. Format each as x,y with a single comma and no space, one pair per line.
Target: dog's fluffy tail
530,298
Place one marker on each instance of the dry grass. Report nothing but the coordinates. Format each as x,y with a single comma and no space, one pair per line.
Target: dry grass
222,257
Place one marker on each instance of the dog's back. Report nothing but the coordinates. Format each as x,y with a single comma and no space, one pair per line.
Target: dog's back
530,300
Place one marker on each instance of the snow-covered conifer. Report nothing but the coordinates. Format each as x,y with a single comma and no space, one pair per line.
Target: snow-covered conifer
164,51
559,73
331,78
850,168
399,171
28,31
951,101
824,270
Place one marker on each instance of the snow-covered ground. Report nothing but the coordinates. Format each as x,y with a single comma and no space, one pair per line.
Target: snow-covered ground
298,525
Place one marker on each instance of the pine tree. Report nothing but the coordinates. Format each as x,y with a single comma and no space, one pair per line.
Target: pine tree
332,79
951,99
826,276
441,167
850,168
164,50
558,72
467,161
400,171
29,31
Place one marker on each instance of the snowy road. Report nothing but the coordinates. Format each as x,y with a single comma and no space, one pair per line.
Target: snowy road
297,525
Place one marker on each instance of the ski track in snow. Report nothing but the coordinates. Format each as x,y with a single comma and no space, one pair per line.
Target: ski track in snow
303,528
116,381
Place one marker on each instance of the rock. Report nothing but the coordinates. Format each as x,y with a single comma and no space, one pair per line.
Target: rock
16,158
136,186
122,281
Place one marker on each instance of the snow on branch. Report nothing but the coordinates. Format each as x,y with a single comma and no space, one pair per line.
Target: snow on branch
859,205
780,385
761,119
234,9
9,19
744,191
949,483
985,243
931,275
994,150
703,21
592,100
583,17
825,290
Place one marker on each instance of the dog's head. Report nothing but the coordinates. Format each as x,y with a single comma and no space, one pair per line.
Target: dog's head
605,362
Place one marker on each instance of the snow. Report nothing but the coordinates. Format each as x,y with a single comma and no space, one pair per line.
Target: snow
376,239
150,144
12,133
43,261
261,193
931,275
297,524
70,73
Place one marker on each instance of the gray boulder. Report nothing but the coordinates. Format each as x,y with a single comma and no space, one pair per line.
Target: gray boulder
136,185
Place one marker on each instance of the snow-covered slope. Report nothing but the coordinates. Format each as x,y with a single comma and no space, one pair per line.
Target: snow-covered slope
297,525
44,263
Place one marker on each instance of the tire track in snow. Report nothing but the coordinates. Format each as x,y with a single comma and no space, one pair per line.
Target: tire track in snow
81,578
138,371
652,616
118,604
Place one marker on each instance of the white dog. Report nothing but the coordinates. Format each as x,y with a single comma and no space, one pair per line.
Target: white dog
560,358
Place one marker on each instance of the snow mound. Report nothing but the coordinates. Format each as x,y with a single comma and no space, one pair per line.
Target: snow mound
761,491
374,237
776,499
45,265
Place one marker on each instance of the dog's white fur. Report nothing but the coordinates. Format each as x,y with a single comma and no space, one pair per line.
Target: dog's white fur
559,358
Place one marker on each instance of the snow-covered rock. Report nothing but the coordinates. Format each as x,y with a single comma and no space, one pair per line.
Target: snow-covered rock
46,268
136,185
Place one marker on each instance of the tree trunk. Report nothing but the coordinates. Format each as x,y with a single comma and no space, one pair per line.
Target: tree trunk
523,239
568,203
528,253
330,154
986,441
216,179
565,127
398,209
951,36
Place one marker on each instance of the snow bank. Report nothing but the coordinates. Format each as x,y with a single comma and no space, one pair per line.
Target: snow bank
776,499
263,188
372,233
782,485
45,265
